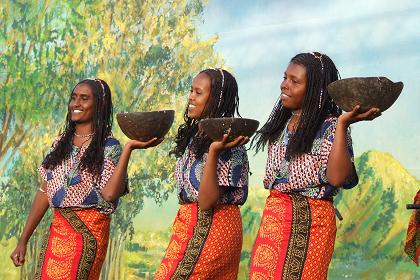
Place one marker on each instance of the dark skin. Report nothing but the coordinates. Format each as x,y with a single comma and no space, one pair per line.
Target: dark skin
81,108
293,89
209,193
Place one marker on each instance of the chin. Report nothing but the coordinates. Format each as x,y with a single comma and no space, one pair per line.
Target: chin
192,116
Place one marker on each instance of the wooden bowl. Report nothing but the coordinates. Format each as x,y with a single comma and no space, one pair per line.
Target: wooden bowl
144,126
215,128
370,92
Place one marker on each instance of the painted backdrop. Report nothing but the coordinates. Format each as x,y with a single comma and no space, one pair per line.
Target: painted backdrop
149,52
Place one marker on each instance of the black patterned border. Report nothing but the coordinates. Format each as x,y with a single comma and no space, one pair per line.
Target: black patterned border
195,245
89,243
299,238
40,264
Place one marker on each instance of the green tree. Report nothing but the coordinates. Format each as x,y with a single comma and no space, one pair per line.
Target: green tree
148,51
36,72
16,200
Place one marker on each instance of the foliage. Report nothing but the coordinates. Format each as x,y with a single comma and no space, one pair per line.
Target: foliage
148,51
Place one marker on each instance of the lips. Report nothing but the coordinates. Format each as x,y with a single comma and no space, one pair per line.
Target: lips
284,95
191,106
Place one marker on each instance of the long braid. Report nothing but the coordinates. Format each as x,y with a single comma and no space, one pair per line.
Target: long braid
316,106
222,102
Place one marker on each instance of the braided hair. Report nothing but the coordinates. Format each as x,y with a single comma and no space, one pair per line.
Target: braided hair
93,158
223,102
317,105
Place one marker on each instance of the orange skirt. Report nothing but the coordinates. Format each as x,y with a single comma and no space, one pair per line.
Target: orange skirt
295,240
204,244
412,242
76,245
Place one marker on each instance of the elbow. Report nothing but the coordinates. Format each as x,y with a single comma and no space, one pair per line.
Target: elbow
206,204
109,196
336,182
338,179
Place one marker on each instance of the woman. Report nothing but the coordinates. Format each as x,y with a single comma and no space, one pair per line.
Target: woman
212,180
83,176
310,158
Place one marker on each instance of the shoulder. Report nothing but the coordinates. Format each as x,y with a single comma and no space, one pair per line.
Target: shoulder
57,140
112,148
238,153
111,141
329,123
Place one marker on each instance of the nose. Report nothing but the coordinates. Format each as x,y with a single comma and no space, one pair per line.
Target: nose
283,84
191,96
74,103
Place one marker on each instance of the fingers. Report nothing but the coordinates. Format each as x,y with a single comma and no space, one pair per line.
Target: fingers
225,139
154,142
356,115
355,111
21,259
370,114
150,142
134,144
238,141
18,259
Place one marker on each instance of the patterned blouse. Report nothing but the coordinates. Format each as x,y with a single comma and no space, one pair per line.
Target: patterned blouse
306,173
68,186
232,175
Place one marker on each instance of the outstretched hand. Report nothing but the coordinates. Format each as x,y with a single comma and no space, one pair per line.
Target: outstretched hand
356,116
135,144
225,144
18,255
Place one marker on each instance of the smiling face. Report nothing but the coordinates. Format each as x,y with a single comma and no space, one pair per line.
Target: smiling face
82,104
293,87
199,95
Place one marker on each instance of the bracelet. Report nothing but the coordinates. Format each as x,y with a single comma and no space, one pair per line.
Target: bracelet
41,190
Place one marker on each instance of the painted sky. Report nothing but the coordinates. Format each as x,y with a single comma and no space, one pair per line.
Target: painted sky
363,37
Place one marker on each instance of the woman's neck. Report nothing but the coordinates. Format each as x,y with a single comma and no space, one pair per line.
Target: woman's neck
83,135
293,123
84,129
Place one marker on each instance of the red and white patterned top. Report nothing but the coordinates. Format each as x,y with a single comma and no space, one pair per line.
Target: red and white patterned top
68,186
232,176
305,173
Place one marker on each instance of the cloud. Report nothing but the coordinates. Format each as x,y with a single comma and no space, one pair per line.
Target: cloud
287,28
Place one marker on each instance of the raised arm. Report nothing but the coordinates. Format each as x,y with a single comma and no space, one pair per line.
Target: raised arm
115,187
339,166
209,192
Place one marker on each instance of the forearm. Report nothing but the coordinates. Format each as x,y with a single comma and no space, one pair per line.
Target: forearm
38,209
115,186
208,195
339,166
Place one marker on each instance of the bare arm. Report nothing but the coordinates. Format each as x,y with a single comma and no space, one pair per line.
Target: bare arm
38,209
116,185
209,192
339,166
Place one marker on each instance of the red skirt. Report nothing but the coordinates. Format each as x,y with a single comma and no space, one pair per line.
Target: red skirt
295,240
76,245
204,244
412,242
